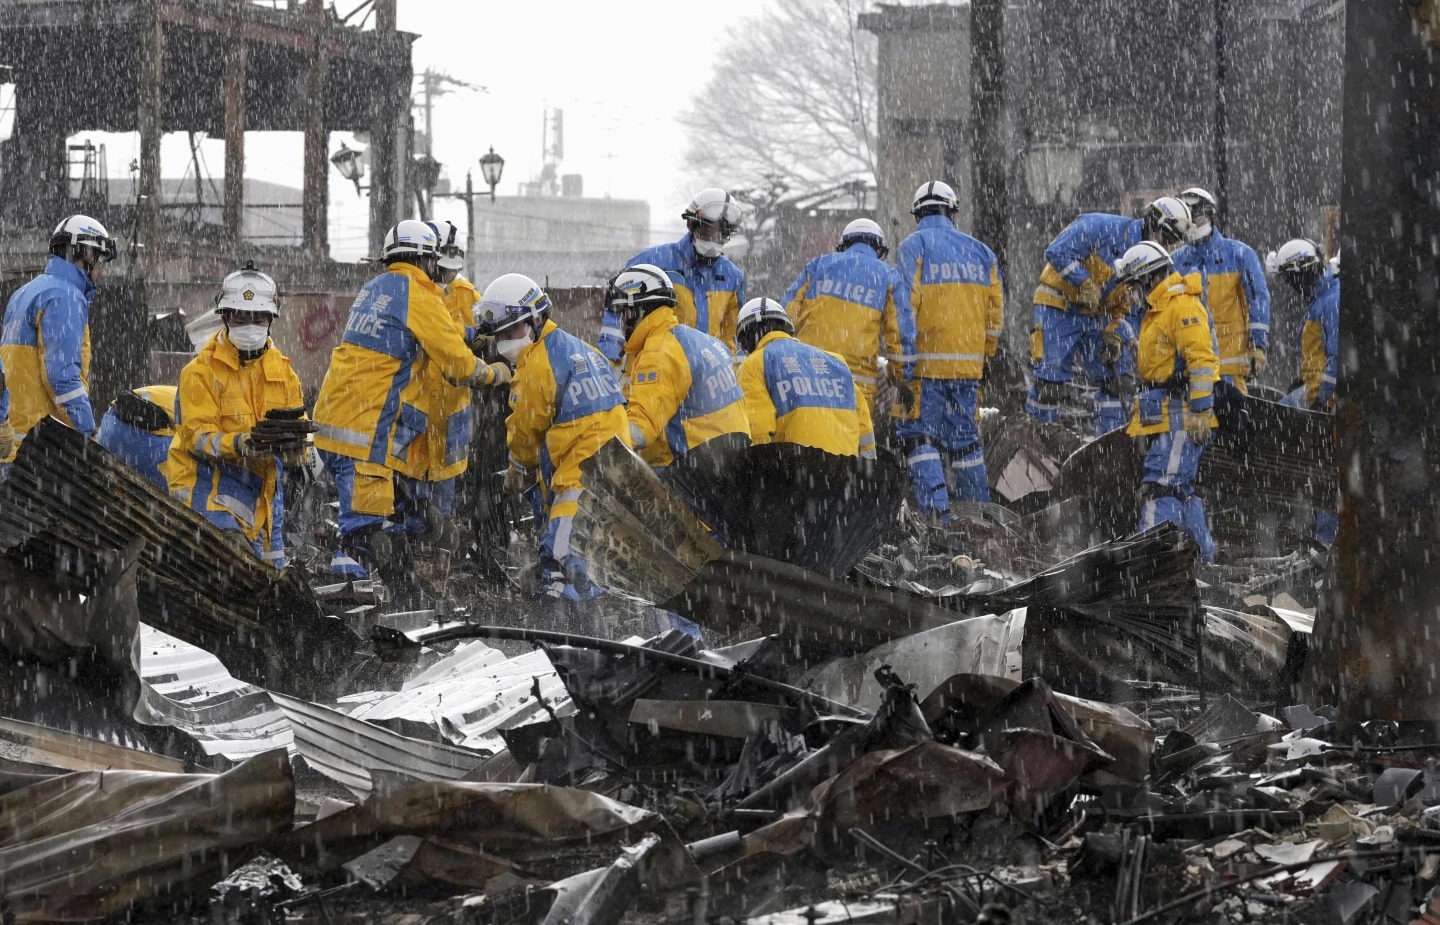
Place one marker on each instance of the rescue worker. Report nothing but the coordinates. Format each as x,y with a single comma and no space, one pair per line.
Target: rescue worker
951,307
680,384
1302,265
796,393
1079,317
709,287
239,420
565,404
454,425
1233,287
844,303
45,347
1173,412
138,428
372,414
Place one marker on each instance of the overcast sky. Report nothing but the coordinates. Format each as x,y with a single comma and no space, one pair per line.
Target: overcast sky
624,72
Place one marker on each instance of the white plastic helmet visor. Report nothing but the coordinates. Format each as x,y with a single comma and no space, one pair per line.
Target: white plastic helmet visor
724,214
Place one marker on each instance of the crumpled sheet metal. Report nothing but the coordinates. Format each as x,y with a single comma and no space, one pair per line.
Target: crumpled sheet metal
528,827
27,747
1126,737
924,781
354,752
187,687
88,845
469,696
988,645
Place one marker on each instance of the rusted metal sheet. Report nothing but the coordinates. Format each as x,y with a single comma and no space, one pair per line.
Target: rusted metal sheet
92,844
40,746
732,719
639,536
740,592
68,504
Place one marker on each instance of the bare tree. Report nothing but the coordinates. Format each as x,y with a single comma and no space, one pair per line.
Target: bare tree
792,100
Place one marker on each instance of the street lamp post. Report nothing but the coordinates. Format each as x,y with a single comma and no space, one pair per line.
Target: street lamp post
351,167
491,166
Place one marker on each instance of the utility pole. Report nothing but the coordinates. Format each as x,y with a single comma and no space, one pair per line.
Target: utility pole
1376,643
1222,126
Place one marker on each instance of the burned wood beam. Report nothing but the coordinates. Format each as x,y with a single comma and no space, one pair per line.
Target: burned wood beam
237,60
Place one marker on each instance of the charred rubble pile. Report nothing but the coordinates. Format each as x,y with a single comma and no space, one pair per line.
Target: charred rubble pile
1001,722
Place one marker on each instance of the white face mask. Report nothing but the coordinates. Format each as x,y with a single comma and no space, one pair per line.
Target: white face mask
709,249
1198,232
248,337
510,349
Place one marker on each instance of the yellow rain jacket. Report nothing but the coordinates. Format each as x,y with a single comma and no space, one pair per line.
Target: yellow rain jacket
681,385
218,400
45,350
844,303
1175,358
795,393
951,289
565,404
372,405
452,425
708,292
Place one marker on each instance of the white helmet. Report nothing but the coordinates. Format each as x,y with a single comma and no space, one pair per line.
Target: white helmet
412,238
1140,261
643,286
715,208
1170,217
452,255
755,313
1200,201
510,300
83,231
934,193
864,231
1298,256
248,290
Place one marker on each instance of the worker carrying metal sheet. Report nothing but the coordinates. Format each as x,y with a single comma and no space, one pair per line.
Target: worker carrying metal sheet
565,404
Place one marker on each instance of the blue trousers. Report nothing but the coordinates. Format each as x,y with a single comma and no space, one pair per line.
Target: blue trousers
943,438
1060,340
1172,463
411,498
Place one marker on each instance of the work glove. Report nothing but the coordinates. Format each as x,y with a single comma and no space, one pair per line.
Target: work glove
1114,345
250,448
495,375
482,345
517,479
7,439
905,397
1121,387
1197,427
1257,361
282,436
1089,297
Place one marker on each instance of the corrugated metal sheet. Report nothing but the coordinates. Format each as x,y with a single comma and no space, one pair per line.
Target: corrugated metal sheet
354,752
469,696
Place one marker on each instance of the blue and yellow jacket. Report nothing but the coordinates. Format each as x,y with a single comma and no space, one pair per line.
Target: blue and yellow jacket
680,384
950,296
1174,358
1234,289
845,303
708,293
1087,249
796,393
1320,342
451,424
45,349
565,404
142,448
372,404
219,399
